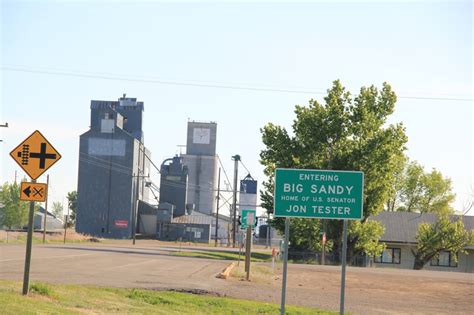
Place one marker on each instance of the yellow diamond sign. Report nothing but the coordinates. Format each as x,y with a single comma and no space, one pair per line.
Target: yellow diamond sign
35,155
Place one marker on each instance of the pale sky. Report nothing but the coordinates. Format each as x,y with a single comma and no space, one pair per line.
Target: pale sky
423,49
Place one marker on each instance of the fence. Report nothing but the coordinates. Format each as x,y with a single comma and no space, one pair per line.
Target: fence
334,259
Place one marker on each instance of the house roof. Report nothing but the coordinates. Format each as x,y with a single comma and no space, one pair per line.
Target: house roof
401,227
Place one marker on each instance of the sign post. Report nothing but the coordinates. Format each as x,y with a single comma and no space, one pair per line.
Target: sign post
322,194
34,155
343,274
285,265
248,222
29,242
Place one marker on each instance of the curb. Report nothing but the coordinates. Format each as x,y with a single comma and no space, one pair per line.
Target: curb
226,272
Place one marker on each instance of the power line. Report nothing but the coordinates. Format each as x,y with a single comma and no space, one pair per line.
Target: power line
203,85
244,166
149,159
225,173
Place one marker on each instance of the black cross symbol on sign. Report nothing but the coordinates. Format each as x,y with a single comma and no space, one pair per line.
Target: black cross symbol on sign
42,155
37,192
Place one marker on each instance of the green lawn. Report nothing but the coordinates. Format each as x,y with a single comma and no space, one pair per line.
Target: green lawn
225,255
73,299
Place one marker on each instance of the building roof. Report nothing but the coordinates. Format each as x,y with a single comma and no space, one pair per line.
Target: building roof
199,218
41,211
401,227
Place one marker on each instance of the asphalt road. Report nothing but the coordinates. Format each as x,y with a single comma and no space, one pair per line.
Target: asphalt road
111,265
148,265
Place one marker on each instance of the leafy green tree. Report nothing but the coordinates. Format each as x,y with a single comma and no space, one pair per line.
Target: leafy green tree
343,133
443,235
72,204
424,192
393,202
306,235
13,211
57,209
368,235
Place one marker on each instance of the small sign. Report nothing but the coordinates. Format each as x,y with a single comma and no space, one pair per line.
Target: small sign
121,223
33,192
324,194
35,155
249,218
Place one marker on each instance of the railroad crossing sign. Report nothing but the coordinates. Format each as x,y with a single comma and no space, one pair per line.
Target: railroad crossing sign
35,155
33,192
249,218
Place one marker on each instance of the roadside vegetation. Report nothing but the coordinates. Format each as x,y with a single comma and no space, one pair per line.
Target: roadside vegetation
349,132
258,273
72,299
225,255
14,237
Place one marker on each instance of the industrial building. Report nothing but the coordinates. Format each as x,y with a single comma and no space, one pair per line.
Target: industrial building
201,161
113,164
188,190
248,194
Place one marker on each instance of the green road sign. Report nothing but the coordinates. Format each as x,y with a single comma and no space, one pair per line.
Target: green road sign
321,194
249,217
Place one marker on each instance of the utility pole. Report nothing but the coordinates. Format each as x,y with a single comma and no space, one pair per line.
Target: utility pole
268,242
217,206
137,197
236,159
65,223
45,208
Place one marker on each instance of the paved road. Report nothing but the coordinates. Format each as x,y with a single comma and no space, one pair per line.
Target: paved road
369,291
111,265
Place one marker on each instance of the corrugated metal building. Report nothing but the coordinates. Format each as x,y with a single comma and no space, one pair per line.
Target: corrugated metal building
201,160
112,167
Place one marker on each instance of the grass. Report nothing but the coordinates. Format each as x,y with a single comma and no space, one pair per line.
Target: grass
21,239
224,255
73,299
41,289
258,273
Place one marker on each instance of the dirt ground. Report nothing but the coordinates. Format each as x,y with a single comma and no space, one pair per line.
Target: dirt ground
150,265
369,291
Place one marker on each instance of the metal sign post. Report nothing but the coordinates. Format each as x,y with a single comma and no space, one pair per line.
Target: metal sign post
29,242
285,266
343,275
248,244
249,217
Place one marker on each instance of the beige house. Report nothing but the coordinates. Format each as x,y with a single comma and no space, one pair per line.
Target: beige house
400,238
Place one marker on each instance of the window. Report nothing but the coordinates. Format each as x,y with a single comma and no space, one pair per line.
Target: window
445,259
389,256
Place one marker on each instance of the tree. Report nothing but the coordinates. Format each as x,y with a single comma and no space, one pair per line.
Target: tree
368,235
344,133
424,192
13,211
72,204
58,209
443,235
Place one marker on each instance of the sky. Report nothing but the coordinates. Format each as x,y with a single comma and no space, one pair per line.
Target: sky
57,56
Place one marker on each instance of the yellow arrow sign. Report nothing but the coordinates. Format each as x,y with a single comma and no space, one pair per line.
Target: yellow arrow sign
35,155
33,192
